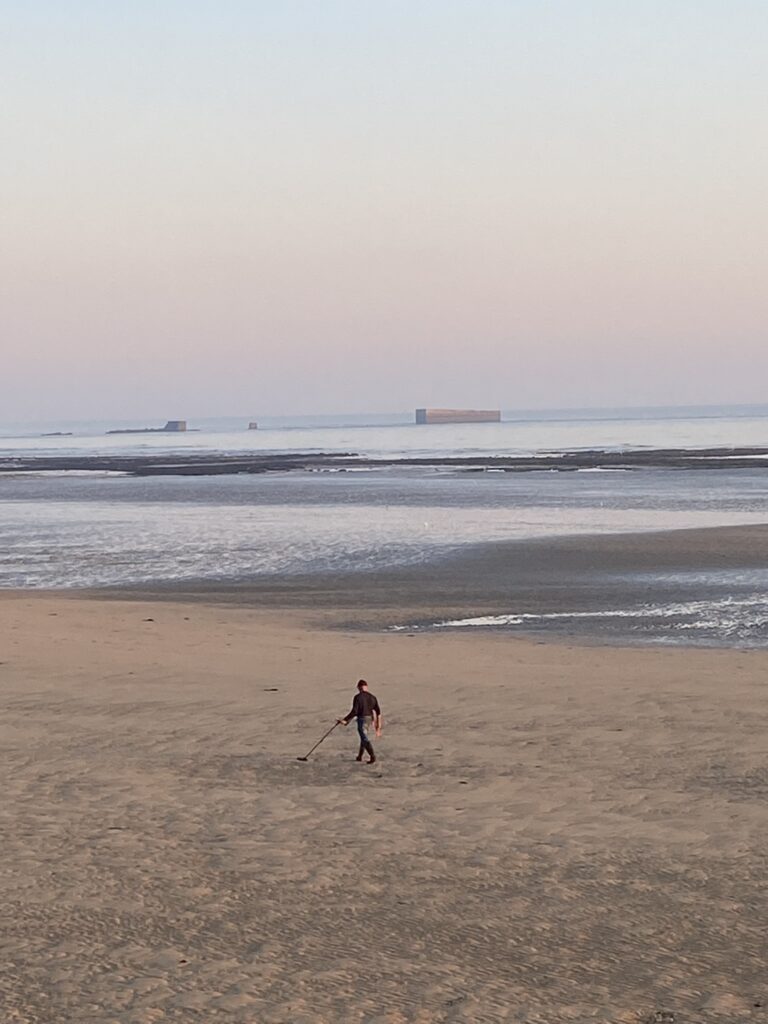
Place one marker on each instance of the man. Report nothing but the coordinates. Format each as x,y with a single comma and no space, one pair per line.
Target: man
365,708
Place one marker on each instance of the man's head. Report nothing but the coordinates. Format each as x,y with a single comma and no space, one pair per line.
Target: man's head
362,685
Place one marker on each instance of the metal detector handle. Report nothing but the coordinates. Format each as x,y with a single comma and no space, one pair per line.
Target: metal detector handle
321,739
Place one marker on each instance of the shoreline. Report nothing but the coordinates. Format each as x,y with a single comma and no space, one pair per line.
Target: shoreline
564,580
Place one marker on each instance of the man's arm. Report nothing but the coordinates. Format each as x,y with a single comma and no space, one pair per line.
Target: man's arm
348,717
378,719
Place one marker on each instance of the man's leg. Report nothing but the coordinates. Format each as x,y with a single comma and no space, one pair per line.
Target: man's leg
363,738
363,727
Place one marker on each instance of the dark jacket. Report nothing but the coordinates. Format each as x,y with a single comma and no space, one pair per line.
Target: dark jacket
364,705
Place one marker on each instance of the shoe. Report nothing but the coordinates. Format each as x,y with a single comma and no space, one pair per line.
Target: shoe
359,757
371,759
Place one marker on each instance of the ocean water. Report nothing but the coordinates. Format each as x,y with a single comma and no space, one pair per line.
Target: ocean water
395,435
58,535
94,529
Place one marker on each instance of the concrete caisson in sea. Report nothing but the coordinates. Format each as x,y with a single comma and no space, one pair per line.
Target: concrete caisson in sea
171,427
458,415
253,425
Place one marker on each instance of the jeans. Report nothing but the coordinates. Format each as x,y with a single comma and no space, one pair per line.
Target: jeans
364,725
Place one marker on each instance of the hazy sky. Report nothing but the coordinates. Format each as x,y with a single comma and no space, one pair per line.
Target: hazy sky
273,207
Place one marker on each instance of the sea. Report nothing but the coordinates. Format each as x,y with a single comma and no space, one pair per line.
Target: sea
97,529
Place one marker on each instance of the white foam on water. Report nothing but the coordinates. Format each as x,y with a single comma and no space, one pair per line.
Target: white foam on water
725,615
37,474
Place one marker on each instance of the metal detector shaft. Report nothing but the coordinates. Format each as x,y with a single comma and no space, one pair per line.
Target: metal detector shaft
324,736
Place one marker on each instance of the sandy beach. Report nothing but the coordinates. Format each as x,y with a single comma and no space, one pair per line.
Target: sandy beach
552,832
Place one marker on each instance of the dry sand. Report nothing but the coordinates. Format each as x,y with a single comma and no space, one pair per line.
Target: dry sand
552,833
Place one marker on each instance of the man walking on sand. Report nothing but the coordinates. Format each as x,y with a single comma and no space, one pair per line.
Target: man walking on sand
365,708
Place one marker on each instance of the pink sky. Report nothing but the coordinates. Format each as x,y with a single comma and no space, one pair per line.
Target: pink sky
344,207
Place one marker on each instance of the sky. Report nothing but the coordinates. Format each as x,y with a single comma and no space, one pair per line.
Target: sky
276,207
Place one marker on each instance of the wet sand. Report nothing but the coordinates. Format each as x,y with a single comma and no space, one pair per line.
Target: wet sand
553,574
552,832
